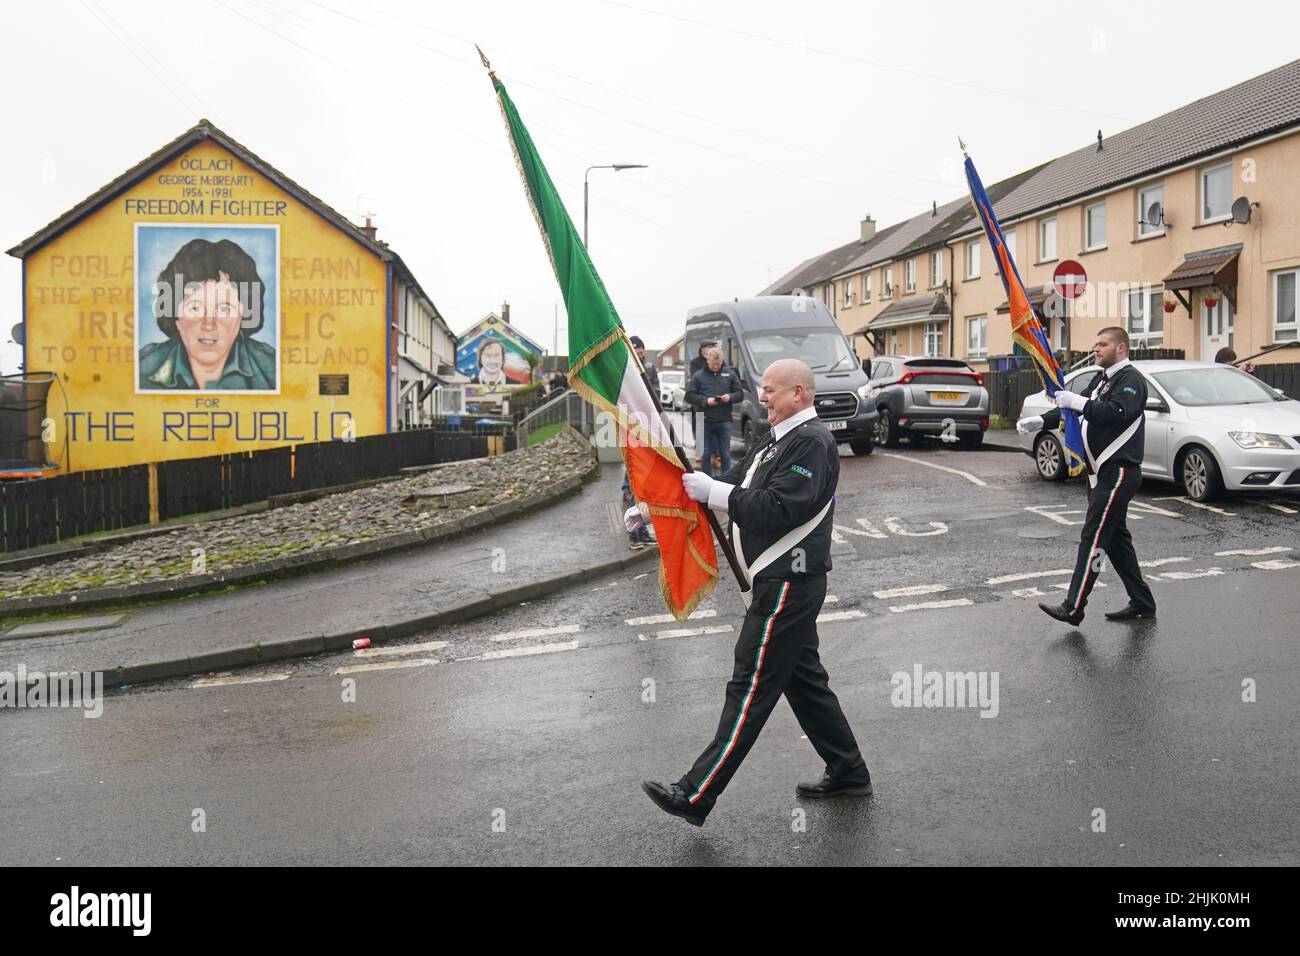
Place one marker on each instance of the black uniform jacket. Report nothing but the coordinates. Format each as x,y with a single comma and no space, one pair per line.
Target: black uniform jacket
795,479
1114,404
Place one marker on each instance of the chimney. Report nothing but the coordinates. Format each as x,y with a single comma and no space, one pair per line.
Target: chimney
1099,141
369,229
868,229
505,312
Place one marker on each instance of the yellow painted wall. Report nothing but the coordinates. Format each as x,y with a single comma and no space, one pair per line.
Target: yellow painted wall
82,309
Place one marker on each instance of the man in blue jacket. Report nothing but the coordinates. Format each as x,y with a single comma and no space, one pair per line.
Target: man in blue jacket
713,390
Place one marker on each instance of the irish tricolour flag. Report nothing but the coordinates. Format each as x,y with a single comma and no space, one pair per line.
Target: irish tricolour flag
604,370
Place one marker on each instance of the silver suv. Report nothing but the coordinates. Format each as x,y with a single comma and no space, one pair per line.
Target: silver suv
932,396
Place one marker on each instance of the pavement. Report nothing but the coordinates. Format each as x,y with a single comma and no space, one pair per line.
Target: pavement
367,594
523,737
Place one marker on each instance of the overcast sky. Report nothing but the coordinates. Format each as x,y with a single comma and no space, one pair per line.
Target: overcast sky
770,128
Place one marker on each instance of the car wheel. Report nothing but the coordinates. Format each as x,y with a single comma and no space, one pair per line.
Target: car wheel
969,441
861,446
886,429
1199,474
1048,459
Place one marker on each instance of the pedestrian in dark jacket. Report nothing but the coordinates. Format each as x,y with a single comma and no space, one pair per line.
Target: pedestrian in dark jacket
651,373
713,391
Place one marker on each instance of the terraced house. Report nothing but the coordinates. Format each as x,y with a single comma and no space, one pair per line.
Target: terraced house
1188,227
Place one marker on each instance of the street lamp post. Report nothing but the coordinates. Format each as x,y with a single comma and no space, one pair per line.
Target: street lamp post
617,167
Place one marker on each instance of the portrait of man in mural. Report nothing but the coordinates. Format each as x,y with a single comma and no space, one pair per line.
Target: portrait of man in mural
491,364
209,301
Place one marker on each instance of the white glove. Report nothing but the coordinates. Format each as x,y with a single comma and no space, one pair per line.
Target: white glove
1068,399
634,518
697,485
1030,425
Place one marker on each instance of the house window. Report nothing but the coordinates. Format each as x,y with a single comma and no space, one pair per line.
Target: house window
909,275
977,330
1284,306
888,275
936,269
1148,224
1047,240
1094,226
1146,318
1216,193
933,339
866,287
848,292
973,259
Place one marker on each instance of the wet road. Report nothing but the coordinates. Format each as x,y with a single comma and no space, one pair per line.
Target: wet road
523,737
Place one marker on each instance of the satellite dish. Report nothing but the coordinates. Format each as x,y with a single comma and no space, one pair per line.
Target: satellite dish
16,333
1241,210
1155,215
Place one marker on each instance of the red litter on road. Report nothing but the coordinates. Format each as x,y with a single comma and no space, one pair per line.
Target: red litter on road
361,643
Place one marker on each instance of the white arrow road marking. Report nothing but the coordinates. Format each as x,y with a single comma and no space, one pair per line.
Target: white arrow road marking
537,632
925,605
929,464
1197,504
684,632
401,649
1055,513
1158,562
868,530
1253,552
227,681
1025,576
840,616
525,651
666,618
896,526
1028,592
383,666
911,591
1275,565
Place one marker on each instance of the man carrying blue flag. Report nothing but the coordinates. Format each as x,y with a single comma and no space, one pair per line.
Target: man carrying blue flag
1113,411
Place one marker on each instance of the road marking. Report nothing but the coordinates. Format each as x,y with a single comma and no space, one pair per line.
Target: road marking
1042,511
227,681
1275,565
666,618
1197,504
1065,585
926,605
840,616
1284,509
383,666
895,525
1158,562
525,651
1008,578
1028,592
1252,552
537,632
868,530
401,649
910,592
831,599
929,464
1143,506
1189,575
684,632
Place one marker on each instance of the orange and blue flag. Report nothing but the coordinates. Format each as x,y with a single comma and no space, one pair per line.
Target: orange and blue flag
1026,326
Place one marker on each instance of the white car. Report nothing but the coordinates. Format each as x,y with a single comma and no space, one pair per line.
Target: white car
1209,428
670,383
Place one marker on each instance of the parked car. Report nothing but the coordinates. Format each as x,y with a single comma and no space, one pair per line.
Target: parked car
671,382
754,333
1210,427
927,396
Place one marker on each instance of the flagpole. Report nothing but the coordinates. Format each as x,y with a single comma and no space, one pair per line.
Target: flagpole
723,541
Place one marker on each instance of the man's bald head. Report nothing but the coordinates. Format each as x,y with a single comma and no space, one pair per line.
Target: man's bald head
788,388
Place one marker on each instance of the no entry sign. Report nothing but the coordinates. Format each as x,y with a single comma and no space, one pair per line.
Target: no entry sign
1070,279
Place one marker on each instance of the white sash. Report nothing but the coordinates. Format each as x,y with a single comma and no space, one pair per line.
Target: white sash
1113,447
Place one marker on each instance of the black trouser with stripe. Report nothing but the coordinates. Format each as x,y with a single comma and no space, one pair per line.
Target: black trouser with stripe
1106,530
776,653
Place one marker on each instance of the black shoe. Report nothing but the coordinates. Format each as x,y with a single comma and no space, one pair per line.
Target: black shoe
1131,613
828,786
671,798
1063,613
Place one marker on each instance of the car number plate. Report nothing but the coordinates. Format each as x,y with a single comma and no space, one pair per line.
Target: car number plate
837,426
948,396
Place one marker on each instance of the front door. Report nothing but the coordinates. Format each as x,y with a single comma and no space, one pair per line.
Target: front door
1216,328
